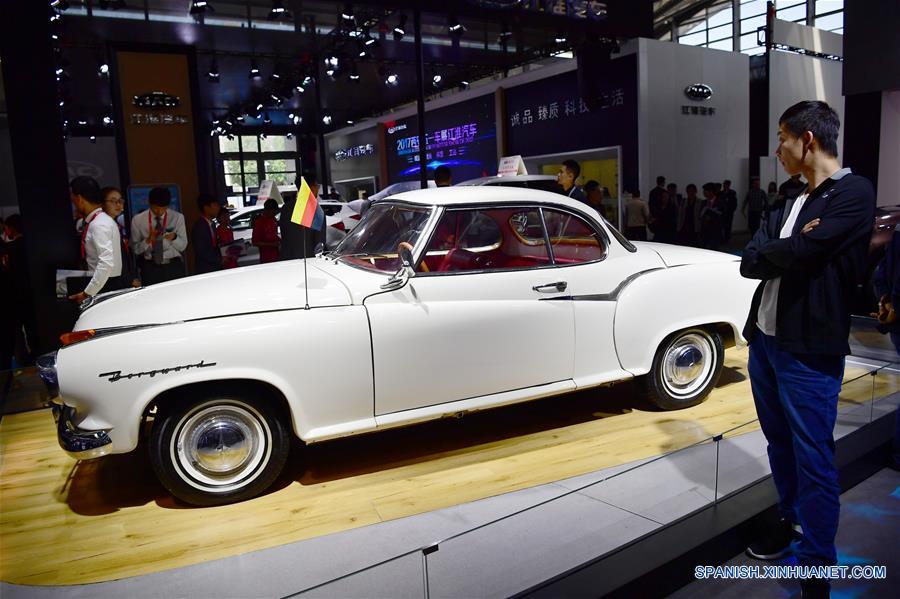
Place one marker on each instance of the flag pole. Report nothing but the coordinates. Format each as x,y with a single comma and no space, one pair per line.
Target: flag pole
305,280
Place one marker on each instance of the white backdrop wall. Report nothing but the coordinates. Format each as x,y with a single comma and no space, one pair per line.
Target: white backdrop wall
693,148
796,77
889,151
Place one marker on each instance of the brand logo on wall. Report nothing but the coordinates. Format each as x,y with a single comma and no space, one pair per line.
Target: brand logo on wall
698,92
157,101
394,128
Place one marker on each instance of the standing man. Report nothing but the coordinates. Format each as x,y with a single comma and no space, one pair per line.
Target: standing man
689,217
711,228
101,246
809,253
656,192
729,207
158,238
207,257
755,203
265,233
566,177
443,177
791,188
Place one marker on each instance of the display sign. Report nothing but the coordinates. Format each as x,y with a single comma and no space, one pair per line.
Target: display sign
511,165
549,117
268,190
139,198
353,155
462,137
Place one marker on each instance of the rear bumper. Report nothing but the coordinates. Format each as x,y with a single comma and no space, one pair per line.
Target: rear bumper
78,443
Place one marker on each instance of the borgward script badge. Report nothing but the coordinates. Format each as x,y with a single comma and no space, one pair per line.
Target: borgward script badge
117,375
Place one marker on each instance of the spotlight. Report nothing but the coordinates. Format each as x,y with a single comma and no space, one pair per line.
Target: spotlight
392,79
560,38
307,81
279,11
54,16
349,122
254,70
213,74
400,29
369,40
455,27
354,74
330,72
347,15
60,4
107,121
263,136
505,34
332,61
81,123
289,135
299,88
103,68
326,119
436,80
93,139
266,119
240,119
200,8
464,84
363,53
296,119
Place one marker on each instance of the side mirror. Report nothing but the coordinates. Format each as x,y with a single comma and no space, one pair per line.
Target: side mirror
405,272
320,247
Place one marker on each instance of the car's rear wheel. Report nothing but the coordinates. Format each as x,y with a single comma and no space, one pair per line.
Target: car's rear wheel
686,367
218,450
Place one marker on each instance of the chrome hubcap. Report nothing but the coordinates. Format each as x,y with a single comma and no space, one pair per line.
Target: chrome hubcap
221,446
687,364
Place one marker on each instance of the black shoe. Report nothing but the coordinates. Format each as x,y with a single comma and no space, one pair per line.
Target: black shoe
814,588
774,546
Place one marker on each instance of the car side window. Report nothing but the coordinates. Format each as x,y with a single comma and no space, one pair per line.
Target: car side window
573,240
486,240
242,222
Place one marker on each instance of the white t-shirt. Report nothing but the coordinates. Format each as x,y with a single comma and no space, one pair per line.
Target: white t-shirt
768,305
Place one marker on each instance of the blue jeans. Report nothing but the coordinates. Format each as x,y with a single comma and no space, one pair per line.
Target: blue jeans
796,399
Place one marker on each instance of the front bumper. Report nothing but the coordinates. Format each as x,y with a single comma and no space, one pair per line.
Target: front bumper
78,443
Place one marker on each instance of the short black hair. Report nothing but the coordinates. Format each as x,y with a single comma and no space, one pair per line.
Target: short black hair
727,182
815,116
271,204
660,180
160,196
205,199
635,192
573,167
442,173
591,186
671,185
88,188
108,190
690,186
709,187
14,222
310,177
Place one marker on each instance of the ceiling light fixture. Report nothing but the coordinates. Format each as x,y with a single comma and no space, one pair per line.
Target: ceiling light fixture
455,28
213,74
326,119
400,29
254,70
278,11
200,8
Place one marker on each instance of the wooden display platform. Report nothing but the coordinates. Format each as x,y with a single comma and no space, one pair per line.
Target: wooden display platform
67,522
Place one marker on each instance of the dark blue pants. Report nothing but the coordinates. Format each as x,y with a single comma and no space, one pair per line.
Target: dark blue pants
796,399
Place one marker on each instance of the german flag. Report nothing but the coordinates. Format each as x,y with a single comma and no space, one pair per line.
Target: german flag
306,211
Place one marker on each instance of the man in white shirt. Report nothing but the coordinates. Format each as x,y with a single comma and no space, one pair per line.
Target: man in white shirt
100,242
158,239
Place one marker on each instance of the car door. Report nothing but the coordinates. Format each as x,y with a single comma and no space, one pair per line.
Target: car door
596,269
474,320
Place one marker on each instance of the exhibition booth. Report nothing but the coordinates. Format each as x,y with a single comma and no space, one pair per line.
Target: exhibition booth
481,391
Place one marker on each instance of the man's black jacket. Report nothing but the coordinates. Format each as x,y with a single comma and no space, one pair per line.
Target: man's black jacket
819,270
207,257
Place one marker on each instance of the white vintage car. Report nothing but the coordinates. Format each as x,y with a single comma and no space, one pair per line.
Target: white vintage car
444,301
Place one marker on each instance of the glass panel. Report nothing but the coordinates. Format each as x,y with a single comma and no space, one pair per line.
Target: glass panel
279,165
249,143
244,221
251,166
228,145
690,28
470,240
232,166
278,143
753,8
752,24
725,44
793,13
572,239
695,39
286,178
251,180
374,243
719,16
718,33
830,22
748,42
823,6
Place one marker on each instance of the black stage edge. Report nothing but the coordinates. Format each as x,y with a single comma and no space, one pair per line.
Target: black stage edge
663,561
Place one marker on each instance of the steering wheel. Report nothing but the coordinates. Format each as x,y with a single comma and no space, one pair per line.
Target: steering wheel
408,245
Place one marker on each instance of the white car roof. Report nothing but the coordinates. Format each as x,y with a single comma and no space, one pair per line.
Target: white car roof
506,178
483,194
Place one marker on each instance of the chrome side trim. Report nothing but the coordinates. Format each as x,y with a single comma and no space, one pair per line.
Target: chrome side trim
603,297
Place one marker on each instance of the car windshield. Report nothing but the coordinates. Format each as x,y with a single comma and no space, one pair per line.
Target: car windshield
374,242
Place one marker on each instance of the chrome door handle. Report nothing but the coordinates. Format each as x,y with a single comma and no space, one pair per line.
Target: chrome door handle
557,287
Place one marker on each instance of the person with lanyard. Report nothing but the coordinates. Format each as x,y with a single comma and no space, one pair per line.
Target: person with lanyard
207,256
114,206
101,247
566,177
158,238
809,255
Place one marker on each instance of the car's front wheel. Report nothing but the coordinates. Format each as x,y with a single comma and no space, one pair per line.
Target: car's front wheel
686,367
218,450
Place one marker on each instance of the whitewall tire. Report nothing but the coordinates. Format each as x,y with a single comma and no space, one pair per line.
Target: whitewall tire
686,367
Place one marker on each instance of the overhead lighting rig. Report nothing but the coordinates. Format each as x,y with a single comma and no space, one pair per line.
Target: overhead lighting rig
400,29
213,74
278,11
